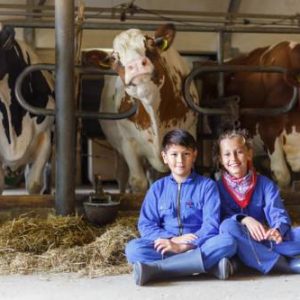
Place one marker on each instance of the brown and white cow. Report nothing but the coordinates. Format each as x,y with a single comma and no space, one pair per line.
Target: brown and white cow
278,135
151,72
25,139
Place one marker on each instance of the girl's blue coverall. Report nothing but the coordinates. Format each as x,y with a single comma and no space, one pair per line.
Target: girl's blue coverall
266,207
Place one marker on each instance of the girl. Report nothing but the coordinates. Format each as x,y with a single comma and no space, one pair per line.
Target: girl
179,220
252,210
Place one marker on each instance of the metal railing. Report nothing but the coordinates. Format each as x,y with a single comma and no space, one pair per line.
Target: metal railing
198,71
79,114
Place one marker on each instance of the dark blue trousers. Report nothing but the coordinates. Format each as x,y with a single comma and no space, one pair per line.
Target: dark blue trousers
261,256
212,250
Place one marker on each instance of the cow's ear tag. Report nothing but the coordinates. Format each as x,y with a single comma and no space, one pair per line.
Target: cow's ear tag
162,43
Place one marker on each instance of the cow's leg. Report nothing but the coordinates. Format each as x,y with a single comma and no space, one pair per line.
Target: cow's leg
122,173
278,164
291,146
47,175
34,175
1,180
137,177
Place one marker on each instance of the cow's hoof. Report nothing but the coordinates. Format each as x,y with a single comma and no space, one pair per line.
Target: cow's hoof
138,186
283,179
35,188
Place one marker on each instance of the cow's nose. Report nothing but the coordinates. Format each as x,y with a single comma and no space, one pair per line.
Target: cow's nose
144,62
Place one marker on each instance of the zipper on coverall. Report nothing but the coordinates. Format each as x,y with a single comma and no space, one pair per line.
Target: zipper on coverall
252,245
178,209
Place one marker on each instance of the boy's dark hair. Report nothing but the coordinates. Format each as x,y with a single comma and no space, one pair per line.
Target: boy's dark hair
178,137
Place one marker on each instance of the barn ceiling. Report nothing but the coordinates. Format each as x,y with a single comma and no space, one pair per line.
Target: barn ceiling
246,12
198,21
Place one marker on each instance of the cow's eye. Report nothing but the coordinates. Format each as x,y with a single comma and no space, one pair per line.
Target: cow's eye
116,64
115,60
150,44
115,56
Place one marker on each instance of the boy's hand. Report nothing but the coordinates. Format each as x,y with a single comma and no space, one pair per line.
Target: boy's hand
165,245
185,238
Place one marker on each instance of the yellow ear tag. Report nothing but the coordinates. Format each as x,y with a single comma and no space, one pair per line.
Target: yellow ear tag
164,45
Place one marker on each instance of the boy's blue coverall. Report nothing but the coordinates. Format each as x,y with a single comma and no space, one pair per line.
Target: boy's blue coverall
172,209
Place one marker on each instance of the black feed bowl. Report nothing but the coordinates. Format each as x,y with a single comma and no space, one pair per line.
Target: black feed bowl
100,213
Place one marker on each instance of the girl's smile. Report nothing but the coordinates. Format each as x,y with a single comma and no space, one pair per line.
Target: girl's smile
235,156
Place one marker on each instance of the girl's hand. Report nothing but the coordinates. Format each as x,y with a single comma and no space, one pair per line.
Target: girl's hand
185,238
255,228
274,235
165,245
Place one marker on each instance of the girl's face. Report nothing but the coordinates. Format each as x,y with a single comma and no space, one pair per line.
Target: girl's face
235,156
180,161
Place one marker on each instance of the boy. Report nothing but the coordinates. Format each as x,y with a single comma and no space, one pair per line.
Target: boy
179,220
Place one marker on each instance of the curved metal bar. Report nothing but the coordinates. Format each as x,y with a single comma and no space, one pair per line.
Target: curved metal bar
189,99
273,111
237,68
80,114
18,90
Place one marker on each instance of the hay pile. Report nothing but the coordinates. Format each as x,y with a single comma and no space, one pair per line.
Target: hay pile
65,244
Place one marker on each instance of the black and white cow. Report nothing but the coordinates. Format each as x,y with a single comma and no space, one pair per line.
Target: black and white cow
24,138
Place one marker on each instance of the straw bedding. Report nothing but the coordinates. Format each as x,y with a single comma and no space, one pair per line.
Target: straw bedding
65,244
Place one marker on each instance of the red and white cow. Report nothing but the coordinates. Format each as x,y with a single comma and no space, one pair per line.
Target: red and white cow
150,71
24,138
279,135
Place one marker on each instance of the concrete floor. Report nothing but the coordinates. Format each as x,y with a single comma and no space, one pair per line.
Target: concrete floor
70,287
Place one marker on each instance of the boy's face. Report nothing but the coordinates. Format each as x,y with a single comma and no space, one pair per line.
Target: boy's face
180,161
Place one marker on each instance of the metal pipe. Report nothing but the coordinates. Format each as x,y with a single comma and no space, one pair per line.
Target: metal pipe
80,114
237,68
220,56
149,27
65,107
29,33
105,18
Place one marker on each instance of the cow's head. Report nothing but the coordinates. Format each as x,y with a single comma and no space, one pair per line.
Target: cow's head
135,57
